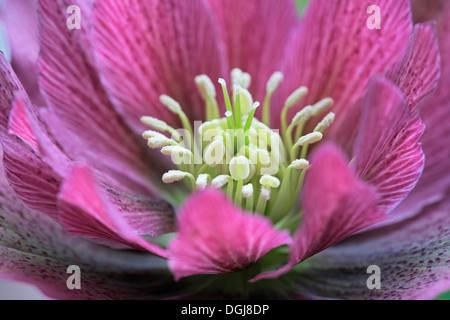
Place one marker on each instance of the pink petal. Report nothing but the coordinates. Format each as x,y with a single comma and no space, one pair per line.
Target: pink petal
146,216
86,123
20,21
158,48
387,152
84,211
417,75
336,204
35,249
436,116
19,124
256,33
10,87
214,237
413,257
334,54
34,182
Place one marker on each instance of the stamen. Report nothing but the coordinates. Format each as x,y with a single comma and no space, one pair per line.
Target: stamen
247,194
322,106
177,175
325,123
310,138
202,181
304,142
247,191
299,164
176,150
175,107
291,101
271,86
269,182
208,92
160,142
238,77
220,181
161,126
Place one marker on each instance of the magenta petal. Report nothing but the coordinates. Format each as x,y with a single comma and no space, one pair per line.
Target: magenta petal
85,119
35,249
336,204
413,257
256,33
84,211
334,54
11,87
214,236
436,116
158,48
387,152
418,73
20,125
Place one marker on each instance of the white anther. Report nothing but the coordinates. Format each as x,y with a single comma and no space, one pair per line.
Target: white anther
302,116
220,181
160,142
202,181
269,182
228,114
222,82
155,124
296,96
247,191
246,100
152,134
205,87
241,78
274,82
175,150
239,168
265,194
309,139
170,103
322,106
325,123
174,176
299,164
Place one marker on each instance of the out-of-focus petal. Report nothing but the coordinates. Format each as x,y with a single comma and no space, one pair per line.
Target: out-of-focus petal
20,21
387,151
336,204
86,123
159,47
84,211
35,249
256,33
215,237
413,257
335,54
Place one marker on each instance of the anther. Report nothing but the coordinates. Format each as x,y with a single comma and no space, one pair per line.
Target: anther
239,168
325,123
322,106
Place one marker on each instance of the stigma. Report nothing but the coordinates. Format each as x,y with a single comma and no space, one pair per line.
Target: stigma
260,169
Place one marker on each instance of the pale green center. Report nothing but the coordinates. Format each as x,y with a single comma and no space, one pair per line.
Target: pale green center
260,169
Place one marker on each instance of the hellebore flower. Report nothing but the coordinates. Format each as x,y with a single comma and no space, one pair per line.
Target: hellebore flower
312,134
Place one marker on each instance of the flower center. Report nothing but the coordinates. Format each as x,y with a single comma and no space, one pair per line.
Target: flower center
260,169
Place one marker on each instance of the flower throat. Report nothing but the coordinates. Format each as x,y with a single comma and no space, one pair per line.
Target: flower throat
260,169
